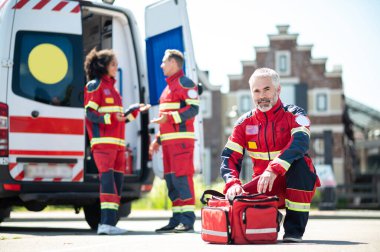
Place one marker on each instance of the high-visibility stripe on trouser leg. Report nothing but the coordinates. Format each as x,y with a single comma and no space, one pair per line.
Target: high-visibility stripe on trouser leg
109,199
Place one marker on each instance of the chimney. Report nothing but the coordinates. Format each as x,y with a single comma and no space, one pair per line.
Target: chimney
282,29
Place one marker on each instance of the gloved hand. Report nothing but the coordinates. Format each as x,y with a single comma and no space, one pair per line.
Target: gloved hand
234,190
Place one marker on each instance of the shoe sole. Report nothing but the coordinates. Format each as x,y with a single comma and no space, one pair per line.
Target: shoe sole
165,231
291,239
187,231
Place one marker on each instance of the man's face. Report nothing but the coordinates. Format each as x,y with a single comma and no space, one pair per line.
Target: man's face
169,66
264,93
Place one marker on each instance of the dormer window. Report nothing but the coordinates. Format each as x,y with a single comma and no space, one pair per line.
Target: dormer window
283,66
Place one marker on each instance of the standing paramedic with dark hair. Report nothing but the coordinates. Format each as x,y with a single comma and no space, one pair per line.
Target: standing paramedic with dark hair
105,123
179,104
276,137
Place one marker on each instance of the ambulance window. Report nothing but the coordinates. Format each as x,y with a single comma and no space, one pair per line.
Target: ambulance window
48,68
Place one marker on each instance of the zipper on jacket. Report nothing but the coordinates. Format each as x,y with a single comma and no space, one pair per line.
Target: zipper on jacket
258,136
273,135
265,135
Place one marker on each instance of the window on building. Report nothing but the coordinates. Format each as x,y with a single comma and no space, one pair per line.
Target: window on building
245,103
321,102
283,66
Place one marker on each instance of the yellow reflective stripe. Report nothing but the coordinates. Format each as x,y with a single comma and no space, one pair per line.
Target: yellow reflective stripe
177,135
192,101
296,206
188,208
301,129
176,117
234,146
107,140
130,117
92,105
169,105
109,205
107,119
182,209
283,163
263,155
176,209
109,109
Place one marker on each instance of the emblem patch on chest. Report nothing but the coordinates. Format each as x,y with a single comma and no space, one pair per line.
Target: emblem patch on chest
109,100
251,129
252,145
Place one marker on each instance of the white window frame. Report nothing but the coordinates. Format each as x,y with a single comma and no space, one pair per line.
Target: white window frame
278,56
243,93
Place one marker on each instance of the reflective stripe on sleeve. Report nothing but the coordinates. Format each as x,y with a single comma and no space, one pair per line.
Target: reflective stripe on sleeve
107,119
283,163
92,105
130,117
300,129
169,105
234,146
192,102
296,206
110,109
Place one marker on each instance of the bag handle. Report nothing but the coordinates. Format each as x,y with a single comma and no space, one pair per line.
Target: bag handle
248,196
212,193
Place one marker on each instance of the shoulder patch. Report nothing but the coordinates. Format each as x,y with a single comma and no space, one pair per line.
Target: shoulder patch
192,94
93,85
186,82
244,117
295,110
302,120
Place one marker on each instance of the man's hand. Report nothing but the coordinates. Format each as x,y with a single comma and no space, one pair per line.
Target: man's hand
144,107
233,191
162,119
153,147
266,181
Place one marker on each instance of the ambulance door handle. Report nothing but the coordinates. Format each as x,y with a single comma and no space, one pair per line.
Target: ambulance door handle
35,113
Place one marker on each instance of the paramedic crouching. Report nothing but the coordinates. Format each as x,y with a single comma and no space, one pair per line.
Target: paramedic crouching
276,136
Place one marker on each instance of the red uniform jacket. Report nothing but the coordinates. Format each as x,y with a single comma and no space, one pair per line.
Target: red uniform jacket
180,99
273,139
102,102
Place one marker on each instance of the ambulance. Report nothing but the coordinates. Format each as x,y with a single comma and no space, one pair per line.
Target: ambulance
45,157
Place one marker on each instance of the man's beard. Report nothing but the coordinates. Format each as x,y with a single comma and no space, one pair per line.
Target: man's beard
267,104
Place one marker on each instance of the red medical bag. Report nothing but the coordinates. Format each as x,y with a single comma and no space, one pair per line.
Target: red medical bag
243,220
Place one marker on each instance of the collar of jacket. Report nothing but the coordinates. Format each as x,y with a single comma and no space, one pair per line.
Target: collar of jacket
108,80
171,80
271,114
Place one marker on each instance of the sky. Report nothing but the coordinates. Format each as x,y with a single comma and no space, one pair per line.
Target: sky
346,32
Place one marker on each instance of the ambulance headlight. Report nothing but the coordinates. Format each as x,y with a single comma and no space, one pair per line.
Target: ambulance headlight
108,1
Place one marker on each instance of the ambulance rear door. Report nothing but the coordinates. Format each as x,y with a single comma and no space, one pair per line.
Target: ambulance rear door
167,27
45,93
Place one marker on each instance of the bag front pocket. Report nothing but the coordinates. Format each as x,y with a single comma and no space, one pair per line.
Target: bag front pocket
260,224
215,225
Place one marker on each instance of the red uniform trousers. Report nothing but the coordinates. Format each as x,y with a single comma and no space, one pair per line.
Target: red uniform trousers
178,173
111,165
297,185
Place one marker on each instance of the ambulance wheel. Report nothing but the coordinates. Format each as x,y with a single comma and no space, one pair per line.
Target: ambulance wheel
92,215
5,213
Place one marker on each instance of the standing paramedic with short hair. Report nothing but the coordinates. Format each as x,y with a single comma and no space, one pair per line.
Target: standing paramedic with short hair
179,105
276,137
105,123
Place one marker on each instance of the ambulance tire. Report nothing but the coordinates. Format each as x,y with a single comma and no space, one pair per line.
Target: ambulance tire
92,215
5,213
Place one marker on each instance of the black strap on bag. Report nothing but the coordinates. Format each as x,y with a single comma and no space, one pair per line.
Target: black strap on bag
212,193
249,197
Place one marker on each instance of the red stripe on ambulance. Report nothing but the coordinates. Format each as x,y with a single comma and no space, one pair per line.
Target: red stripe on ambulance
3,3
46,153
20,4
41,4
24,124
60,6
